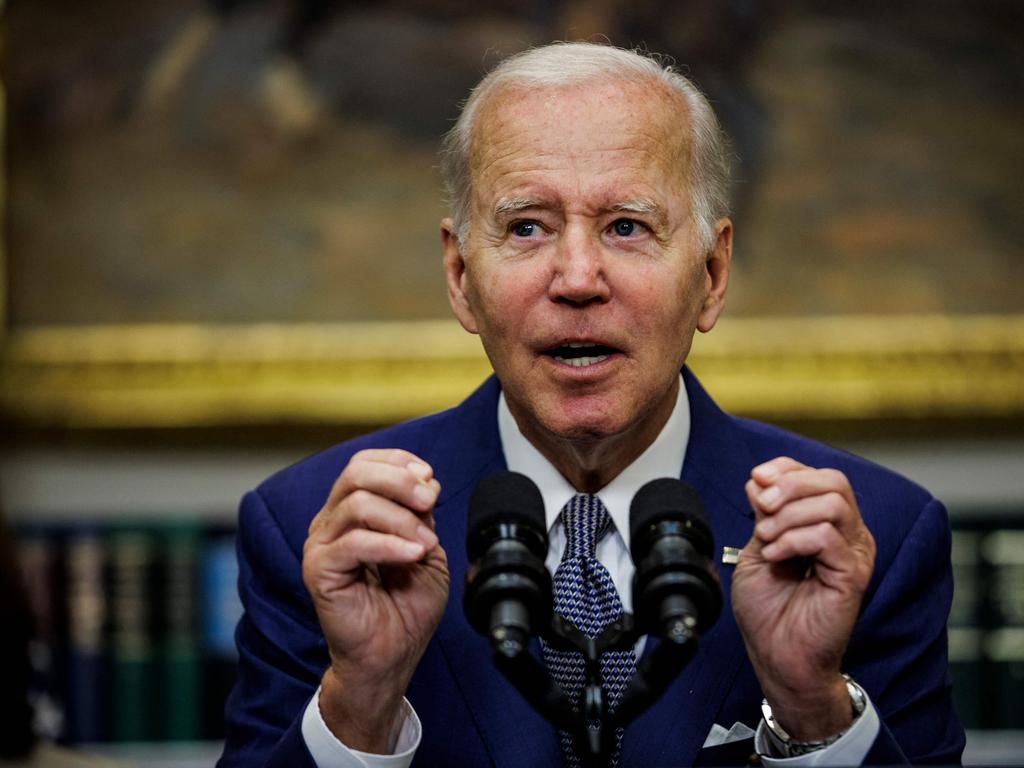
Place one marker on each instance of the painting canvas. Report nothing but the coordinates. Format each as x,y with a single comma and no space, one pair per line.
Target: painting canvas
241,162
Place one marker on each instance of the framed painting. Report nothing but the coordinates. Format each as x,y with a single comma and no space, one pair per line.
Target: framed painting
226,212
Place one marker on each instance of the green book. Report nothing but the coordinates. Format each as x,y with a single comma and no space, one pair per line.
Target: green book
181,701
133,560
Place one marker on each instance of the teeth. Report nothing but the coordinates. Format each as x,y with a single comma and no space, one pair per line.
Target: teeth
581,362
580,344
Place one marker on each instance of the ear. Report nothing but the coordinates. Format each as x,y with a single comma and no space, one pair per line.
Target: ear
717,264
455,276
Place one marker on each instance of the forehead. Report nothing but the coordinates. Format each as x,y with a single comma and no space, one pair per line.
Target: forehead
607,132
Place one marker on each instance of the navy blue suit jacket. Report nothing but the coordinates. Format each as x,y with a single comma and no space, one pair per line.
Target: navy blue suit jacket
471,716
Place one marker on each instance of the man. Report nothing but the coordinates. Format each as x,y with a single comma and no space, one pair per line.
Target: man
589,239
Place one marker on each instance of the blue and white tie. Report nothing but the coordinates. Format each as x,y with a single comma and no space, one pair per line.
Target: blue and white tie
585,595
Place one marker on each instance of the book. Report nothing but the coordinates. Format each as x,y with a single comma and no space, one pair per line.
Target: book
133,559
85,672
180,663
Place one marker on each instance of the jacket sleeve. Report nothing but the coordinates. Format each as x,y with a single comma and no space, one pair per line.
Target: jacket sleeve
898,651
281,651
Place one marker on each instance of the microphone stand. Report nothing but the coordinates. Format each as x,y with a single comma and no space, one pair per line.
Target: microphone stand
592,725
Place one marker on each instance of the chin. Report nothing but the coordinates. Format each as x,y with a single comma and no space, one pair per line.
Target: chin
584,427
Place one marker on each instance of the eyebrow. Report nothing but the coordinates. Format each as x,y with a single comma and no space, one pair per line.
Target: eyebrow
507,205
642,206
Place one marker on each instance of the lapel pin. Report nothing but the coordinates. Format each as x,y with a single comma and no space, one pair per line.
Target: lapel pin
730,555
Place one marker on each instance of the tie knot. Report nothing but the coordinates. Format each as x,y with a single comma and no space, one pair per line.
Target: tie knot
586,522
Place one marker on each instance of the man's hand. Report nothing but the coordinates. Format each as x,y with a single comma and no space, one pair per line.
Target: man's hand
797,590
379,581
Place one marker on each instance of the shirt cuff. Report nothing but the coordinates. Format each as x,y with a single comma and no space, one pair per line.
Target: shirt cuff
850,749
328,752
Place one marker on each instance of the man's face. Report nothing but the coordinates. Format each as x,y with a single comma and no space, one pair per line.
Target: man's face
582,271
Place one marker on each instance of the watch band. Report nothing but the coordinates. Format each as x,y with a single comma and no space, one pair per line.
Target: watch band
784,745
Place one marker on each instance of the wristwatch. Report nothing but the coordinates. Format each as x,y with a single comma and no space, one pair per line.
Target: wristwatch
783,745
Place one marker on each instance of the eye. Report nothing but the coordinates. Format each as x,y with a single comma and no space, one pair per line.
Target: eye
625,227
523,228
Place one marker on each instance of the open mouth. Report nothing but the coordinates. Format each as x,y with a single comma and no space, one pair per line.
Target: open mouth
580,354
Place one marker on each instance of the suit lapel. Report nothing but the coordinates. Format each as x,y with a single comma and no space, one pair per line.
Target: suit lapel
513,733
717,464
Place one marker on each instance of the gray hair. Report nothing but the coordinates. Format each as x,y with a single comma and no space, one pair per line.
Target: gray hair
560,64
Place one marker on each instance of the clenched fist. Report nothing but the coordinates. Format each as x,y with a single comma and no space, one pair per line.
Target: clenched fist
379,582
797,590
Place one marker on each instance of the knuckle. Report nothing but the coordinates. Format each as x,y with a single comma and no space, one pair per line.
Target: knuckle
397,455
825,533
835,478
834,506
360,503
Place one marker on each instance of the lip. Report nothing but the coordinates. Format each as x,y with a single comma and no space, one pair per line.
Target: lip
582,371
605,355
547,345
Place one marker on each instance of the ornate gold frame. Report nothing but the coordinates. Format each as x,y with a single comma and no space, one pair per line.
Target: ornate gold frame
799,369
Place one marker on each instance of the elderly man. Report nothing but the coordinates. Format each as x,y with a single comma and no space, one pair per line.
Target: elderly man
588,240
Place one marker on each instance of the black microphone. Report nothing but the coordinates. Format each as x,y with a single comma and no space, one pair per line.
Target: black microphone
508,587
676,593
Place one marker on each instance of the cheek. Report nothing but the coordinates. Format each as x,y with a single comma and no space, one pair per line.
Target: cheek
669,304
495,304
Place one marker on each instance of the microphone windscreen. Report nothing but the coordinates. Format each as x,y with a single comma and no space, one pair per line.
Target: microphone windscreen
504,497
668,498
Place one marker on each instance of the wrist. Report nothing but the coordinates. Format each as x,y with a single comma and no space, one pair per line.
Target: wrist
813,713
814,736
361,716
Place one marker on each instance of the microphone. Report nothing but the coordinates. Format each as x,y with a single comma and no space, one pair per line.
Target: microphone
676,593
508,588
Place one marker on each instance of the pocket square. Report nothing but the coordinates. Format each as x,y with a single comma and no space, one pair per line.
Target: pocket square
719,735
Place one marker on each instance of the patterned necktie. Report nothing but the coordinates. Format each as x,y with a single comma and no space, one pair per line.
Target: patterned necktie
585,594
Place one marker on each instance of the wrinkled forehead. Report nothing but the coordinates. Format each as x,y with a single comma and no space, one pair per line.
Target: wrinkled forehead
594,115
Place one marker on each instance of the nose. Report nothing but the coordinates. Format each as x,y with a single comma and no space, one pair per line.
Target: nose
578,274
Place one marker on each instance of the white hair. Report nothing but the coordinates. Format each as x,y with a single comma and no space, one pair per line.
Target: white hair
560,64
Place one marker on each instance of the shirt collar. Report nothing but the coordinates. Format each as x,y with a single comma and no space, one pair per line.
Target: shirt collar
663,458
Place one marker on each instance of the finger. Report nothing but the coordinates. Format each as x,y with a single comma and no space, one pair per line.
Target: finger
365,509
393,457
362,547
753,490
831,508
767,473
803,483
821,542
404,485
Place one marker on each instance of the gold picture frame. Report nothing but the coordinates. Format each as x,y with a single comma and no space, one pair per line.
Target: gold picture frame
834,369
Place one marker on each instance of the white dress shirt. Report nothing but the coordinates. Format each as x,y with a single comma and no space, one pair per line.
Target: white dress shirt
663,458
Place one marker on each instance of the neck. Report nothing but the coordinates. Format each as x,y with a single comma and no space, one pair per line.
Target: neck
591,463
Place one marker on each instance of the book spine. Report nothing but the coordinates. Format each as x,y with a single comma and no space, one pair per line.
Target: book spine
86,615
133,560
180,665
